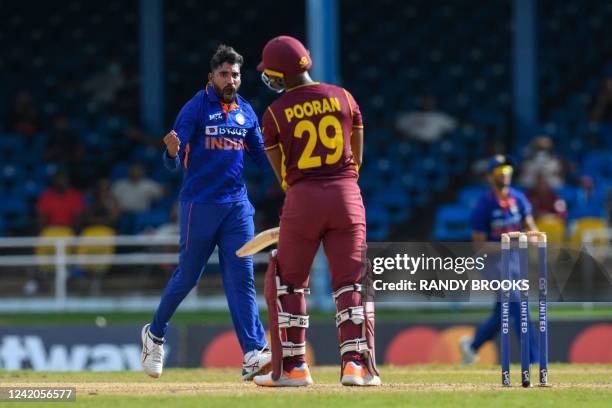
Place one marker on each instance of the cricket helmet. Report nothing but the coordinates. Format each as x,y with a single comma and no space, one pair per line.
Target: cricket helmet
283,56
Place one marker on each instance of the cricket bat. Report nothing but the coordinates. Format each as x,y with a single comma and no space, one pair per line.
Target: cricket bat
259,242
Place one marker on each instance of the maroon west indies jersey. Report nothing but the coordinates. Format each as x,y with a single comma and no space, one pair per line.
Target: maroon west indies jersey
312,124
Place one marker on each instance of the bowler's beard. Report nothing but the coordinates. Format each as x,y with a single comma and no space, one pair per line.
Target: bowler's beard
227,94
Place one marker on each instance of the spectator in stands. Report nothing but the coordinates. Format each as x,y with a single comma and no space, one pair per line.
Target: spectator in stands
602,109
23,118
542,160
137,193
103,208
60,205
545,201
427,124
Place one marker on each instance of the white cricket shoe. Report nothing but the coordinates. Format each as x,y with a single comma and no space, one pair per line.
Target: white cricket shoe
256,362
468,356
152,355
356,374
297,377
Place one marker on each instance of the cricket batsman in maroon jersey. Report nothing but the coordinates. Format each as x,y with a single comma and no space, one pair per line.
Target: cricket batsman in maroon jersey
313,136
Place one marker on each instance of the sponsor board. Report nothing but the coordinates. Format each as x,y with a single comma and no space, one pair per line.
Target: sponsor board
75,348
112,348
401,343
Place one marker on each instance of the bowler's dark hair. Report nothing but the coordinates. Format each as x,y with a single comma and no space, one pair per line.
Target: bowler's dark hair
224,54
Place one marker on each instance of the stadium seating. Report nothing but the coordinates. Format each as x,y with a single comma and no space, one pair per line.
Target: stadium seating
598,164
452,223
192,34
96,231
581,225
53,232
378,223
466,65
14,212
554,227
593,205
417,60
469,195
569,71
150,219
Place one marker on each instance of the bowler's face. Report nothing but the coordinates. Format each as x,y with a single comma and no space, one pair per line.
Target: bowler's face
226,81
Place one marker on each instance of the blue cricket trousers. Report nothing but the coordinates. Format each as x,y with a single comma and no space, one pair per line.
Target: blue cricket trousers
202,227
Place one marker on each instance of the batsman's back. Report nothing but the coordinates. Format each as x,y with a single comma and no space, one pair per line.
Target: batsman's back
312,124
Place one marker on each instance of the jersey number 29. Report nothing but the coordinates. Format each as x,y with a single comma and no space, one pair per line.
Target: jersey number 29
334,142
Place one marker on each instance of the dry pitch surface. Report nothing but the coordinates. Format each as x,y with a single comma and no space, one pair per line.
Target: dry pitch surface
572,385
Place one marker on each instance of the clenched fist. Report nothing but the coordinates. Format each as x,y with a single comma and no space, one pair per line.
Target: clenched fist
173,144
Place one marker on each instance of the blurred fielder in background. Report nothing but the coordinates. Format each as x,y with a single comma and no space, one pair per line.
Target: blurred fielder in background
313,135
501,209
209,139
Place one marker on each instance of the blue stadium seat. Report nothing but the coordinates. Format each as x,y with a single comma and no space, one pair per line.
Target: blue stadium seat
26,190
14,212
452,223
394,201
416,187
377,222
469,195
147,154
598,165
43,172
11,175
594,206
120,170
11,145
434,170
165,204
150,219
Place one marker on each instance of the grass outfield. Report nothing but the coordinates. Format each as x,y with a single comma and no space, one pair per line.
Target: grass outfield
181,318
428,385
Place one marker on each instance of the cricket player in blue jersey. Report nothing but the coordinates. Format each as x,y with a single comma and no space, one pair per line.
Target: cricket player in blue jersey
210,136
501,209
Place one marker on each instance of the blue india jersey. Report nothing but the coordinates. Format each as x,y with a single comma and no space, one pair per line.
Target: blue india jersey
214,137
494,216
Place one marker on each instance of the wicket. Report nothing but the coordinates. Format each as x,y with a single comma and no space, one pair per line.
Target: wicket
523,239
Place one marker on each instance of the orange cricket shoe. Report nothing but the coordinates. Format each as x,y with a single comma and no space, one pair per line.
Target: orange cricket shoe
354,373
298,377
